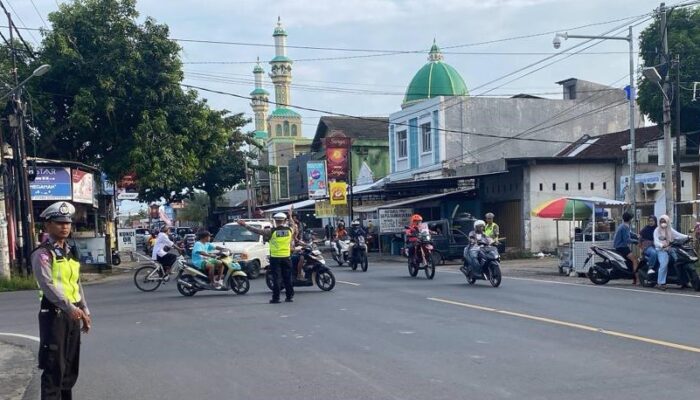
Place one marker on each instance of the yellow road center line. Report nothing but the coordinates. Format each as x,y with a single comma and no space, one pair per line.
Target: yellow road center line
572,325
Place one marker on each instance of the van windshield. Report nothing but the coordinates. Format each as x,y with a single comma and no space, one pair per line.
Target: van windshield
236,233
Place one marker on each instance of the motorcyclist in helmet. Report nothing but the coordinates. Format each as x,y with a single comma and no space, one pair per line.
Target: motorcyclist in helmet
340,234
471,252
356,230
412,234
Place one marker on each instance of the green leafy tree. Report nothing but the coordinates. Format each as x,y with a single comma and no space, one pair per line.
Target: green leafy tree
196,209
684,41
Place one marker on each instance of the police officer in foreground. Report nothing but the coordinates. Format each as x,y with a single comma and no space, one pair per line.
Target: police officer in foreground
64,312
281,241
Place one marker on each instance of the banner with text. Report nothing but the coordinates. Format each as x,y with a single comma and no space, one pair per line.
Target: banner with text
126,239
51,183
339,193
324,209
394,220
316,174
337,154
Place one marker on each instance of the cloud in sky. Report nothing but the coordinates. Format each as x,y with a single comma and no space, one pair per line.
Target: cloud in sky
375,85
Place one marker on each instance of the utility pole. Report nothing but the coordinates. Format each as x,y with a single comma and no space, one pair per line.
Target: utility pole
677,94
668,149
4,248
249,190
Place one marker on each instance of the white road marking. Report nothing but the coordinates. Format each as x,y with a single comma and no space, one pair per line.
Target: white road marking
349,283
19,335
571,325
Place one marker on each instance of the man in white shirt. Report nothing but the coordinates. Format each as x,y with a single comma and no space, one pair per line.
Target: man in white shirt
160,253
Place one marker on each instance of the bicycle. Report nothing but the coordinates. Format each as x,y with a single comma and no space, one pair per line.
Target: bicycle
149,277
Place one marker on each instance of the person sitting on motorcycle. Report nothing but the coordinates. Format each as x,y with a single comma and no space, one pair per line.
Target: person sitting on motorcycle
205,260
647,243
412,234
476,238
663,236
355,231
340,234
622,241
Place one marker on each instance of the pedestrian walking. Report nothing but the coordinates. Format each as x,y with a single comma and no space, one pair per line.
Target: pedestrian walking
63,305
281,241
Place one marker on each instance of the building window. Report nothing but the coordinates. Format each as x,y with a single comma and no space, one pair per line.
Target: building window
566,186
579,186
403,144
278,130
592,186
541,187
426,138
294,130
605,185
554,187
286,128
284,183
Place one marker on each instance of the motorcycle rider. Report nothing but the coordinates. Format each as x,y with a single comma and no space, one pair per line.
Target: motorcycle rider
281,242
663,236
491,229
622,241
205,260
471,252
647,243
356,230
412,234
340,234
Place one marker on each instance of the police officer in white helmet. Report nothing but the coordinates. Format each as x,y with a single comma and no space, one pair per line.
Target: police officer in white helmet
64,312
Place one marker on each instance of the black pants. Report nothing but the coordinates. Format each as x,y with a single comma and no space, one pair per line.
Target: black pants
281,268
167,260
59,352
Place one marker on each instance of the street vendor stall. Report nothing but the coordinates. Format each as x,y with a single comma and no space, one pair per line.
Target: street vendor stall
574,210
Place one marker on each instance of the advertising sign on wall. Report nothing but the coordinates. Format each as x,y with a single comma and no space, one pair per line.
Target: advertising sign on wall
51,183
337,154
127,187
83,186
126,239
316,175
339,193
324,209
393,220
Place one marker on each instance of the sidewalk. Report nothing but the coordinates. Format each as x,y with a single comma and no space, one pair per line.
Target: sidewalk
17,365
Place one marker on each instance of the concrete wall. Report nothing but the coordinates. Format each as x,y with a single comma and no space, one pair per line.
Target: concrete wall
540,232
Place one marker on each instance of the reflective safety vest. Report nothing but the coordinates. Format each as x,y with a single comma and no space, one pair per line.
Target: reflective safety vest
489,229
65,273
281,242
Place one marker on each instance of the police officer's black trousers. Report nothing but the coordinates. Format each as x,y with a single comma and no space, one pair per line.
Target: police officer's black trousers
281,268
59,352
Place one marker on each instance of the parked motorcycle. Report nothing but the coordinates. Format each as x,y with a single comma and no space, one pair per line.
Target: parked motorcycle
191,280
680,271
340,251
423,254
116,258
489,267
613,266
359,254
315,270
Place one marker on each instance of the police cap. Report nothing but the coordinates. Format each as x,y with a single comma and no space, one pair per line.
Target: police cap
61,211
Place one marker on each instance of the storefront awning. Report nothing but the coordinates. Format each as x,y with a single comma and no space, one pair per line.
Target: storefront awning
407,201
297,206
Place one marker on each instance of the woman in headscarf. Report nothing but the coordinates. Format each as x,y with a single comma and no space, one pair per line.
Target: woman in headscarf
663,236
647,242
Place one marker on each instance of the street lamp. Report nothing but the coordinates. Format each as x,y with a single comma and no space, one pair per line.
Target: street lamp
633,149
41,70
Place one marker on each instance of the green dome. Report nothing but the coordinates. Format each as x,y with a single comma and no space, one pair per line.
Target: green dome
436,78
285,113
259,92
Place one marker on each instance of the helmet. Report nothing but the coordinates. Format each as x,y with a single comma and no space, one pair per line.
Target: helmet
355,223
416,217
280,216
479,222
341,223
490,215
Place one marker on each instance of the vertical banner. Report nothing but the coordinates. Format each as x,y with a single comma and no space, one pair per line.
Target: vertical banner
83,186
337,154
339,193
316,175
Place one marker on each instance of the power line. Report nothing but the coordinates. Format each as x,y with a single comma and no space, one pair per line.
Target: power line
38,13
13,25
21,22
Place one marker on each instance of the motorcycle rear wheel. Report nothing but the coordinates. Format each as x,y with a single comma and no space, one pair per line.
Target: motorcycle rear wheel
269,279
596,277
239,284
116,260
695,280
184,290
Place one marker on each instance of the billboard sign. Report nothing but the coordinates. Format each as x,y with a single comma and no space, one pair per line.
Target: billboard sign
339,193
337,156
126,239
316,175
51,183
83,186
394,220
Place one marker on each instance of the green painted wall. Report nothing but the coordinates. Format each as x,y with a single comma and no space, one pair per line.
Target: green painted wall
375,153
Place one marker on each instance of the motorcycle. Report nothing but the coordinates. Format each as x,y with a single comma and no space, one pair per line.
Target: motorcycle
613,266
423,253
116,258
490,265
191,280
315,270
680,271
341,251
359,254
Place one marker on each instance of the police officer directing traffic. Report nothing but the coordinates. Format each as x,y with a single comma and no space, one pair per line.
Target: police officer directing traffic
281,242
63,306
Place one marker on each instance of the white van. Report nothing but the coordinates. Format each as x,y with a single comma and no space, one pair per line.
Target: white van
247,247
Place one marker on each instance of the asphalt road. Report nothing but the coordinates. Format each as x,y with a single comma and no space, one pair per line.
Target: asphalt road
384,335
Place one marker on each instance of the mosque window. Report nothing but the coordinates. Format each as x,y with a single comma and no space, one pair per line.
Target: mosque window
286,128
403,143
278,130
426,138
294,130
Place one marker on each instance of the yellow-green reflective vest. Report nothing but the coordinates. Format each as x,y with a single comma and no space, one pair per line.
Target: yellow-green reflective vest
489,230
65,273
281,242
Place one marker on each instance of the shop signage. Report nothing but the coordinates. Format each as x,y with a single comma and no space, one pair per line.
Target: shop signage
337,154
316,176
339,193
394,220
51,183
83,186
126,239
324,209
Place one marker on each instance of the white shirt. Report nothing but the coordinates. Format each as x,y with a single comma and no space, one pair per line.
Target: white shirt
162,240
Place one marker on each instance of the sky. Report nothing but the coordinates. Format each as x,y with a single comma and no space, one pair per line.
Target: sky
372,83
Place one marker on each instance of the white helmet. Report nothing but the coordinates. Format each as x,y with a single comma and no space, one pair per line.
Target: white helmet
479,222
280,216
355,223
